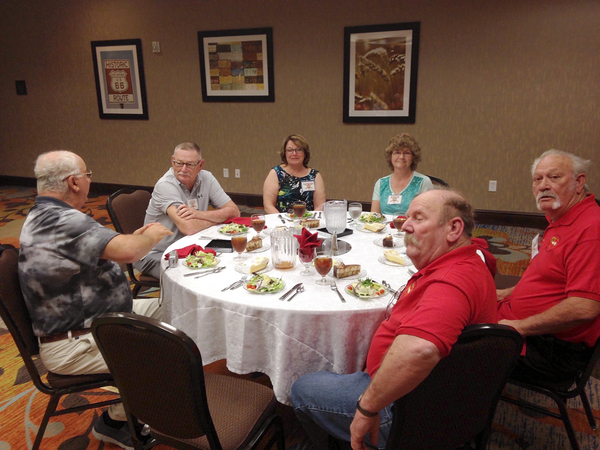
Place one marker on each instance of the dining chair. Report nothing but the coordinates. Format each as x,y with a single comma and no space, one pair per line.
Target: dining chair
438,181
127,210
561,393
457,401
15,315
158,370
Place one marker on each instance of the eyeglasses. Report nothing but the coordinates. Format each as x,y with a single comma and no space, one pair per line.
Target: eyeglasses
406,153
294,150
87,174
188,165
392,302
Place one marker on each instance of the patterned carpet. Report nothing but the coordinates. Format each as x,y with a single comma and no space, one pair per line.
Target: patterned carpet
22,406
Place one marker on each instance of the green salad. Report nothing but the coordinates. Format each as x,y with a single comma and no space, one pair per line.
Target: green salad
200,259
306,215
371,217
263,284
366,288
233,228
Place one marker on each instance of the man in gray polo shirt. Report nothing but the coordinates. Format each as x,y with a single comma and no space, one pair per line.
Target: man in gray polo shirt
180,202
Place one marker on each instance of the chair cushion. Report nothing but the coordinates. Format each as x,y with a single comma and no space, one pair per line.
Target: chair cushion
236,405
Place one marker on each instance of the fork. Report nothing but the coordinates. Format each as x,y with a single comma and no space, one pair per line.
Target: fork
334,288
298,291
240,281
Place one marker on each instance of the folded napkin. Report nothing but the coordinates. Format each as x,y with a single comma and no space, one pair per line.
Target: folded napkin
186,251
241,221
308,239
392,222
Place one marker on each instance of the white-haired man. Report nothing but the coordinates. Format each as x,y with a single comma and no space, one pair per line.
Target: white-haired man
556,303
180,202
69,274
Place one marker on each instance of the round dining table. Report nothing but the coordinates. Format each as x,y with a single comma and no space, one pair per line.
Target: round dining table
315,331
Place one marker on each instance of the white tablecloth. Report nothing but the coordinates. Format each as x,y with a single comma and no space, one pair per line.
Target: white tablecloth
285,340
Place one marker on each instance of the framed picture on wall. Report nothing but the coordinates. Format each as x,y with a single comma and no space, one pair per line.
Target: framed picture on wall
380,73
120,83
237,65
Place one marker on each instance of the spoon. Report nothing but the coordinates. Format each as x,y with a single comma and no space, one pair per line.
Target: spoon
300,289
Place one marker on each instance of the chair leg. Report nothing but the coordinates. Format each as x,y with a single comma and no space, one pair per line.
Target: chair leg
52,404
588,410
562,406
136,290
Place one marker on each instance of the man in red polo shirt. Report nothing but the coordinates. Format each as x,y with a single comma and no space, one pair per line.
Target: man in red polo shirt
452,289
556,304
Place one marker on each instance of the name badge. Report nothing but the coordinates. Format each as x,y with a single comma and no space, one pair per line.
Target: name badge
308,186
394,199
193,203
535,246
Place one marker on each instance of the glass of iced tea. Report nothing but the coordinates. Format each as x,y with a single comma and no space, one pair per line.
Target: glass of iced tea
299,208
323,265
306,256
258,223
398,222
239,245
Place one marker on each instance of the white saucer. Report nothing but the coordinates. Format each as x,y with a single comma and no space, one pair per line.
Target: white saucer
244,267
398,242
361,274
264,248
383,260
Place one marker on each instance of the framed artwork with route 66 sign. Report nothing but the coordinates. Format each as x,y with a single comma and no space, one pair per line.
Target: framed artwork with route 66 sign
120,84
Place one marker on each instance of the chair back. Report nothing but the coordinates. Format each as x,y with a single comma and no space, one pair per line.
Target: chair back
13,309
438,181
458,399
158,370
127,209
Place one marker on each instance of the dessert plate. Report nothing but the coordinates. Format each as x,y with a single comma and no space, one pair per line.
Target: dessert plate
264,248
361,274
383,260
244,267
398,242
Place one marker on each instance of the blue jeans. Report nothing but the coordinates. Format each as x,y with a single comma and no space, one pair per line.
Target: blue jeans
329,400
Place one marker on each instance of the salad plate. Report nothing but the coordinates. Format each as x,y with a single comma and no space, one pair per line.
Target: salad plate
192,261
372,217
244,267
307,215
366,289
361,274
398,242
264,248
383,260
264,284
232,229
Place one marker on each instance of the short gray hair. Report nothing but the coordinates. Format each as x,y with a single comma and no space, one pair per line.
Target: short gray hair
51,172
457,205
188,146
580,165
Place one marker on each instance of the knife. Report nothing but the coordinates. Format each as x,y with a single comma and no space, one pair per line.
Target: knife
218,269
290,291
210,273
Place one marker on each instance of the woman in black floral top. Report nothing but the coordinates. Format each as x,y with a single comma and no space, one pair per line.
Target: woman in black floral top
293,180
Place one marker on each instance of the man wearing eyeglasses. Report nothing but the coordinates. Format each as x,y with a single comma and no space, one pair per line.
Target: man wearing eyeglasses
180,202
69,274
452,289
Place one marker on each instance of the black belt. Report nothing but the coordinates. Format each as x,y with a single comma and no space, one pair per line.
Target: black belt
61,336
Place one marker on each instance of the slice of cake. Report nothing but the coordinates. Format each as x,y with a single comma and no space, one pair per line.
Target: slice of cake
374,227
253,244
310,223
394,256
259,264
341,270
388,241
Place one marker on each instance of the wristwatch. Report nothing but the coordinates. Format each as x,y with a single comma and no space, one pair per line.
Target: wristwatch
363,410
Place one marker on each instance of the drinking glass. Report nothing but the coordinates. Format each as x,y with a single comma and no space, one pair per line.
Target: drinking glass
335,220
239,245
306,256
258,223
323,265
299,208
399,220
355,210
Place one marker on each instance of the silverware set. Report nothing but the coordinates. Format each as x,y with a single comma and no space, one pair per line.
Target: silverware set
295,290
236,284
281,217
209,272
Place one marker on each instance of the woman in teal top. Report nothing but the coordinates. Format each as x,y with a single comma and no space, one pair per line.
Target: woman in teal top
393,194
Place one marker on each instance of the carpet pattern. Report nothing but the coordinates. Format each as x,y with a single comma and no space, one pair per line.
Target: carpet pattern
22,406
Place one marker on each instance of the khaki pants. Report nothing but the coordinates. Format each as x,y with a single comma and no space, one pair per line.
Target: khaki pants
81,356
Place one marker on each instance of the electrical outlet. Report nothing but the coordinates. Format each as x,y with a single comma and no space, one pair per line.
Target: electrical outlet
225,173
237,173
155,47
493,186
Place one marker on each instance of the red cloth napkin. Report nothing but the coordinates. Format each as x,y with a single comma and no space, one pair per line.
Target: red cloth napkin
392,222
241,221
308,239
186,251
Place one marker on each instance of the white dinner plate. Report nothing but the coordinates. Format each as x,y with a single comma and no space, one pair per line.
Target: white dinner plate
364,230
264,248
184,264
361,274
351,292
244,267
398,242
383,260
252,291
238,233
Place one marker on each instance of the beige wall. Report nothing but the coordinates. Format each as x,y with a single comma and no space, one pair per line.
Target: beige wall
499,82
